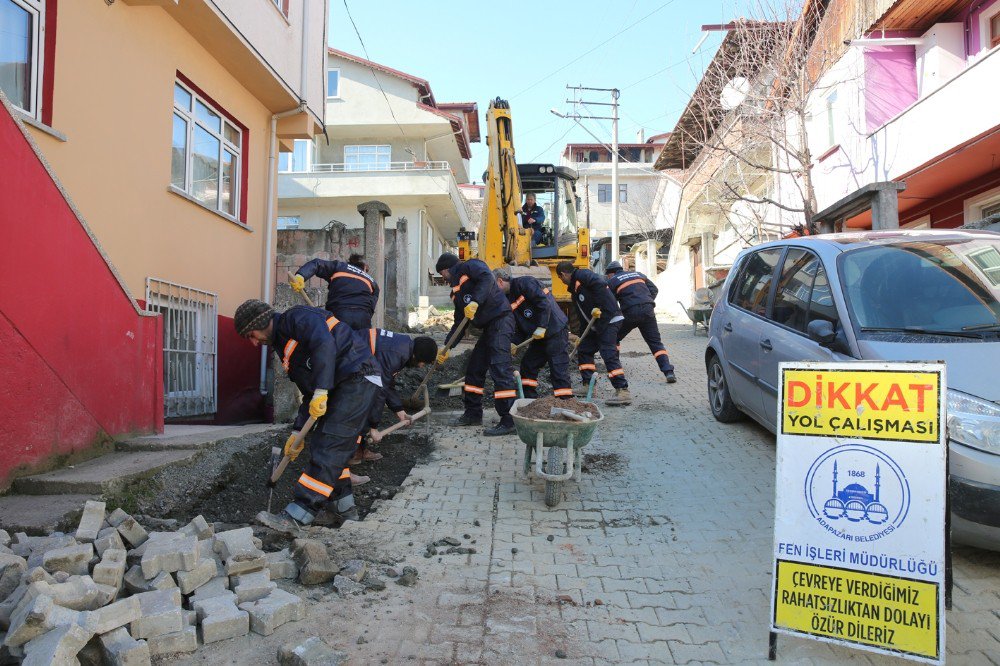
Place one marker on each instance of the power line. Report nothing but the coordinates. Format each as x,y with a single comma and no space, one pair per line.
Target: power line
551,144
586,53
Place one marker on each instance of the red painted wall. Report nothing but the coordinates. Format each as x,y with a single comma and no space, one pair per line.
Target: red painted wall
240,400
948,209
79,362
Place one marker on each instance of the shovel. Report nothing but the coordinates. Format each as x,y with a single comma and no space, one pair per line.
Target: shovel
572,352
279,462
419,415
415,398
303,292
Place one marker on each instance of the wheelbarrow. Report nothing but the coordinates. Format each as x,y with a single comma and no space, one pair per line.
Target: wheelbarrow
559,443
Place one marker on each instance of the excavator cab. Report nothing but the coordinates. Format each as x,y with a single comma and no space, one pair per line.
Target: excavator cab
554,188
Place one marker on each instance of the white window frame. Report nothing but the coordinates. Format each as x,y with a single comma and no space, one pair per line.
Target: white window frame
974,206
607,187
368,166
291,166
623,193
984,28
284,223
224,145
36,8
329,93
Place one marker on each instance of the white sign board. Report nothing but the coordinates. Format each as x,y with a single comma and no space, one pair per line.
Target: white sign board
859,528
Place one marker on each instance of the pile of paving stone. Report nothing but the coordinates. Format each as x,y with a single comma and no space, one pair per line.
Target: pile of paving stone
115,593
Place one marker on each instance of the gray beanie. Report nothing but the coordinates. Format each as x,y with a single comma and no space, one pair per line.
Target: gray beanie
252,315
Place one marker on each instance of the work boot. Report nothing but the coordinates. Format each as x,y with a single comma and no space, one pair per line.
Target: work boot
279,522
499,430
621,398
332,518
364,456
359,480
468,419
671,378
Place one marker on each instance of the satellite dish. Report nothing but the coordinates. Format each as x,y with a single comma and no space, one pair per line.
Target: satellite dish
734,92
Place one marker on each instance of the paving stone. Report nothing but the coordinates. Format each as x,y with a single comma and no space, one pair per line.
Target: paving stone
39,546
58,646
90,522
4,538
161,613
315,565
12,568
170,554
122,612
281,565
36,617
71,559
274,610
216,587
198,528
77,593
221,619
120,649
185,640
312,652
108,538
252,586
111,569
347,586
236,543
191,618
354,569
106,594
117,517
205,570
135,582
132,532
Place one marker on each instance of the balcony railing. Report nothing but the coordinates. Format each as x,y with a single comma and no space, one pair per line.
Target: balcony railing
341,167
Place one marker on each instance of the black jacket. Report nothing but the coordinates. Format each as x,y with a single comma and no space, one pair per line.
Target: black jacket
317,350
534,306
350,287
591,291
392,351
632,289
473,281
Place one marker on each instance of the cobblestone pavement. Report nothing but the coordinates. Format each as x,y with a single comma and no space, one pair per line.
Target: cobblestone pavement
660,554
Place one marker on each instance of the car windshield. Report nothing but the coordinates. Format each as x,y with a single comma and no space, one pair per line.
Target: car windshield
925,286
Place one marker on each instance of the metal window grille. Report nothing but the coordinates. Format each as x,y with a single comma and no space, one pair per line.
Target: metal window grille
190,346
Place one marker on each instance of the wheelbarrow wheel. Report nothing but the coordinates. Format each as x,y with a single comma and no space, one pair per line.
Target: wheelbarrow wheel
554,465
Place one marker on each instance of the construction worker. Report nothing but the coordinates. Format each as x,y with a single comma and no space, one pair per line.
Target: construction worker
394,351
537,316
330,363
636,295
478,299
532,216
352,293
595,302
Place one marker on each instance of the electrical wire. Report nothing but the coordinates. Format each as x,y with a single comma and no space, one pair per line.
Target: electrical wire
550,145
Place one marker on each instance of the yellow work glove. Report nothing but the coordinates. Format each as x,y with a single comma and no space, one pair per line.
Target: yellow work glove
513,349
596,313
470,310
317,406
298,283
294,446
442,357
538,334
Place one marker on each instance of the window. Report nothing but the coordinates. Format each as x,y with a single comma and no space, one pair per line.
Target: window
299,160
288,221
995,30
332,83
750,289
604,193
367,158
831,127
282,6
205,159
791,301
21,27
623,194
594,156
988,261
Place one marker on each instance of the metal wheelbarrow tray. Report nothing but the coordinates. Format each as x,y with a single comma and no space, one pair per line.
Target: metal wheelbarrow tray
559,436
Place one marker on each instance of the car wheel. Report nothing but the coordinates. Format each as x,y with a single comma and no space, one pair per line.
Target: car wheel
723,407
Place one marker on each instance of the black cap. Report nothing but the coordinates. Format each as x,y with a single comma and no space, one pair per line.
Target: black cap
425,350
446,260
252,315
613,267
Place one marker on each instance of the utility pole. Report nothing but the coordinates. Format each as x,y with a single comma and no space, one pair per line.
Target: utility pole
576,115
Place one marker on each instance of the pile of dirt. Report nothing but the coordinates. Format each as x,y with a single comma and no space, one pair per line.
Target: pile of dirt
542,408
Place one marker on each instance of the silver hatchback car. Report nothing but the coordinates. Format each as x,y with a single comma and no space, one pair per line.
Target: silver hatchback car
882,296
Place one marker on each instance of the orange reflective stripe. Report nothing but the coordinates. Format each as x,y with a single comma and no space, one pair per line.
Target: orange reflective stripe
346,474
562,391
530,382
628,284
588,366
315,486
545,290
576,285
505,394
356,277
474,389
516,304
286,358
331,322
662,352
461,280
616,373
371,339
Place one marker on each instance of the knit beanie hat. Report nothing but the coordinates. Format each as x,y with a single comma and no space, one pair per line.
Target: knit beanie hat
446,260
252,315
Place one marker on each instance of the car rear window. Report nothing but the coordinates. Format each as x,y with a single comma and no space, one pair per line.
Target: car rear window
751,287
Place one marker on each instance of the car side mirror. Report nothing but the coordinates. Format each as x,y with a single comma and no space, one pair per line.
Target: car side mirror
821,331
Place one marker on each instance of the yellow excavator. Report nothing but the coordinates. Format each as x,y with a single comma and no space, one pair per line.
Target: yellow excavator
502,241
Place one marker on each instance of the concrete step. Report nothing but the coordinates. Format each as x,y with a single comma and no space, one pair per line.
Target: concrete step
40,514
100,475
180,437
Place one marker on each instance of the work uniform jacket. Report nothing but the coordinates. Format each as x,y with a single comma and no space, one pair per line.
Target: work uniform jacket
529,213
350,287
633,290
393,352
591,291
318,351
534,306
473,281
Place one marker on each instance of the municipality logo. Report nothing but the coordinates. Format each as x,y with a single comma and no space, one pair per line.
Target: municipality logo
528,313
857,492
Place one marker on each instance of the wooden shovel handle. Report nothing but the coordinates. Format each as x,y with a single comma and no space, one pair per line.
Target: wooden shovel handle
303,292
301,435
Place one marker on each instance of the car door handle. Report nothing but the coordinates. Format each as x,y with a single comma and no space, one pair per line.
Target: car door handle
728,328
766,344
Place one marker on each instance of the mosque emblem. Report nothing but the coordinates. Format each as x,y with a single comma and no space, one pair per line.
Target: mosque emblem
855,503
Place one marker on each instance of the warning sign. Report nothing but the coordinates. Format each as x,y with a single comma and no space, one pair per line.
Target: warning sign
860,506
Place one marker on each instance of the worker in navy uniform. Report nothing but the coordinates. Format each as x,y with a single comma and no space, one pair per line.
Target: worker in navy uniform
477,298
394,351
594,301
636,295
532,217
332,365
352,293
537,316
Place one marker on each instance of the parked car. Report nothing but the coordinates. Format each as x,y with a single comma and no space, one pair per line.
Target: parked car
882,296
